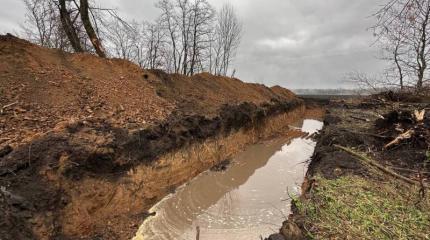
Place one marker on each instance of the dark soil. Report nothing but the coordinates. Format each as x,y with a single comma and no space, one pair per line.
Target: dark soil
364,129
367,125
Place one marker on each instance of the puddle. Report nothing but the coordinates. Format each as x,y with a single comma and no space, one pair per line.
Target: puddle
244,202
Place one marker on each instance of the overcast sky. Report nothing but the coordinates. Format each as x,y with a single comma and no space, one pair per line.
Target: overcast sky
292,43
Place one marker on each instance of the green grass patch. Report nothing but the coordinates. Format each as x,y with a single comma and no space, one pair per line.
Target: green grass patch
356,208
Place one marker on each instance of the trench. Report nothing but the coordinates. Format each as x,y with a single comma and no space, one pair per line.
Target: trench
246,201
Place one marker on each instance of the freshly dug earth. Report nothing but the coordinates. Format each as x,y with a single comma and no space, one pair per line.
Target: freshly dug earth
87,145
346,196
204,93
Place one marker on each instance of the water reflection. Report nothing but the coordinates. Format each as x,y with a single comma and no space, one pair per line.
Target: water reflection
243,202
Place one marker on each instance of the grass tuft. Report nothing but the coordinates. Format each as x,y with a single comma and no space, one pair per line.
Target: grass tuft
357,208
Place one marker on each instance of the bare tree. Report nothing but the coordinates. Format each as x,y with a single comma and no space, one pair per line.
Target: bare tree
184,21
169,23
138,52
39,26
227,38
121,38
202,15
391,36
403,30
419,15
184,39
43,25
144,44
188,25
368,84
85,17
154,39
68,26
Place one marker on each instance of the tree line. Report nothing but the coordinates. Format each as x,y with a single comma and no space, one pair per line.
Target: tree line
188,37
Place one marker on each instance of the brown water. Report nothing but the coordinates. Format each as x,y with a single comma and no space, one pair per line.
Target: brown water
244,202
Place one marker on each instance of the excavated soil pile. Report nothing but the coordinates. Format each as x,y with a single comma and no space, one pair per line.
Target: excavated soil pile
73,125
42,87
204,93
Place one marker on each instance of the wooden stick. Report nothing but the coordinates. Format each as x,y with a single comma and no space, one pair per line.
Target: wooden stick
9,105
6,106
198,233
380,167
401,137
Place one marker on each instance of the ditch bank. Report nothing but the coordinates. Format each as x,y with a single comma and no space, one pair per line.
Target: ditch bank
366,179
88,145
89,180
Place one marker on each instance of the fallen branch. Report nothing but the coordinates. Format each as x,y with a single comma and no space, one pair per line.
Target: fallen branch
7,106
406,135
380,167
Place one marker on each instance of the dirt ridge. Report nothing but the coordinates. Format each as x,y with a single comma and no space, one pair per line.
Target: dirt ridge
79,131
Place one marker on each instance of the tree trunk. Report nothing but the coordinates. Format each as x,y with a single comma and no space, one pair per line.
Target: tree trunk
420,82
90,30
173,39
423,51
399,67
185,35
193,58
68,27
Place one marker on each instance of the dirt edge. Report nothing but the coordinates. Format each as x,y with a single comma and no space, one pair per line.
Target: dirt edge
87,180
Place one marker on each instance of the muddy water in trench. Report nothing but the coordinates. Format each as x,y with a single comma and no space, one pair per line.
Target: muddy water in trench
243,202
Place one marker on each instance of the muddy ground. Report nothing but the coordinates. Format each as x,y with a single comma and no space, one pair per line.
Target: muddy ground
366,126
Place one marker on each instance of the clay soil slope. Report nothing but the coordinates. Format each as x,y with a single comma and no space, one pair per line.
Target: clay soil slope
73,125
41,87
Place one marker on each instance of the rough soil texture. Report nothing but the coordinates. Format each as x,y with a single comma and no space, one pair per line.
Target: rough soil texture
367,126
87,145
359,125
204,93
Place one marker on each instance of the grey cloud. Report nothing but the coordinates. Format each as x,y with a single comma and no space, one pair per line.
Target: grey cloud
308,43
296,44
11,15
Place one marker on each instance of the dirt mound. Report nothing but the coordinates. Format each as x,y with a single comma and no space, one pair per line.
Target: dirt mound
75,127
42,87
205,93
283,92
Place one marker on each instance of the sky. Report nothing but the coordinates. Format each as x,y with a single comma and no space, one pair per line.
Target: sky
291,43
